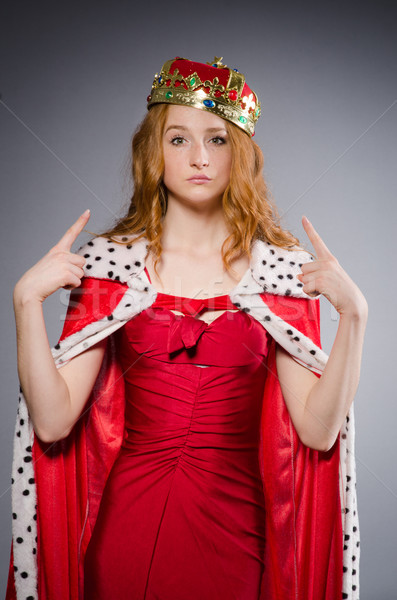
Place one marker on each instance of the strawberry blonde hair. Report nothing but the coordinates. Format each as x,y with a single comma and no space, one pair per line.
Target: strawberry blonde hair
249,210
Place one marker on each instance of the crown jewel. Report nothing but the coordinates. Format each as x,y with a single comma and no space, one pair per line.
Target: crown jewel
211,86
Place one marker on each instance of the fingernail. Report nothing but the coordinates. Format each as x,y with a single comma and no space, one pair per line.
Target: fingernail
86,212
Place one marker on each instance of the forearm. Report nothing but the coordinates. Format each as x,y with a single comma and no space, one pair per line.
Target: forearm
330,398
45,390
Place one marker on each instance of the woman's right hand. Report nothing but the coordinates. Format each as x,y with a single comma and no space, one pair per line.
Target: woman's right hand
59,268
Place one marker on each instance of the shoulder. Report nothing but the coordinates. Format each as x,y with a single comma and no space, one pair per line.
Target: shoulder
119,259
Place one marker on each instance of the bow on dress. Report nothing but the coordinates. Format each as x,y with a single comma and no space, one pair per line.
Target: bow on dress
185,331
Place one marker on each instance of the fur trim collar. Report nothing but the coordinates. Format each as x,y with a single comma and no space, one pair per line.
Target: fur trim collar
272,269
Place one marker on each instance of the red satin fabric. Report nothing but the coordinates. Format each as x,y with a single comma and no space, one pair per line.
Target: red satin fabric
183,512
304,546
304,553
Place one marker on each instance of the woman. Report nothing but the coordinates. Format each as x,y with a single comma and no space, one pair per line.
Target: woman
194,456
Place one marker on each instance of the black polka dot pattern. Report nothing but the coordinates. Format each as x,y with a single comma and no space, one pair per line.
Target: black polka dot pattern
350,523
272,270
24,506
276,268
108,259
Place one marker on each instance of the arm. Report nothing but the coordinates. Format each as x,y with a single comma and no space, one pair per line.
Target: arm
318,406
54,397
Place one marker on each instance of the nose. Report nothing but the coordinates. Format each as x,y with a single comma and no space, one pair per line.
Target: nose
199,156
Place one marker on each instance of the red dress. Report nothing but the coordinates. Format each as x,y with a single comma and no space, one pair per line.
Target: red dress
182,514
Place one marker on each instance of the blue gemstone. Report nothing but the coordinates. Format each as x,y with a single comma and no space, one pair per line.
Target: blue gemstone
209,103
160,78
237,71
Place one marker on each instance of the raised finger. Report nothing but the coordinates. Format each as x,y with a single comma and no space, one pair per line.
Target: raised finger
66,241
317,242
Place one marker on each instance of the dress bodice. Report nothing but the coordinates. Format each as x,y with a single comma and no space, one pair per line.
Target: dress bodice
231,339
160,353
185,492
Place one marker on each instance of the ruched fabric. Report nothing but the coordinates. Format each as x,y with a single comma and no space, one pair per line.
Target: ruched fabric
182,514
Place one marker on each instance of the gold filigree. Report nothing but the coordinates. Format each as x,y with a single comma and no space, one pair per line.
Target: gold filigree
217,62
225,101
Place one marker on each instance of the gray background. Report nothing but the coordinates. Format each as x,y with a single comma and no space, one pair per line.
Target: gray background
74,81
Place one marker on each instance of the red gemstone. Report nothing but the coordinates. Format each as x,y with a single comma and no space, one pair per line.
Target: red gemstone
148,98
233,95
218,93
168,83
177,83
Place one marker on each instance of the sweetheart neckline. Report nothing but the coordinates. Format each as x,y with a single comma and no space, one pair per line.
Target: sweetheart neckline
194,299
208,325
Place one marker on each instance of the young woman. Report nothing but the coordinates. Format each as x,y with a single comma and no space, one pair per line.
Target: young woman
187,427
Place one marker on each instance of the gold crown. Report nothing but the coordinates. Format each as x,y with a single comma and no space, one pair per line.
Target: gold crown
212,87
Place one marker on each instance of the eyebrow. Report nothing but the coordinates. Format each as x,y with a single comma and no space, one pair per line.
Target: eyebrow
182,128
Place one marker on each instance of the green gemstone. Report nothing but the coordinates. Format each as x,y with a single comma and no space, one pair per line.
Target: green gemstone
257,112
242,119
168,94
192,81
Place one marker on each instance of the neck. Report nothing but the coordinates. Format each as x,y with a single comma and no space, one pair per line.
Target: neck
194,230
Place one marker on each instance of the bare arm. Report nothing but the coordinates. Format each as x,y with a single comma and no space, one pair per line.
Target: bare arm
55,398
318,406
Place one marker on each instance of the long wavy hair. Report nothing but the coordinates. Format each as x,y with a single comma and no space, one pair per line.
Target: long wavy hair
249,210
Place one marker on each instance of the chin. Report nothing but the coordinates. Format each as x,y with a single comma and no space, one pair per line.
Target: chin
196,197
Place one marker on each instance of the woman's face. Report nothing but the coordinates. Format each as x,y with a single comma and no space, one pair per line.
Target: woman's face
197,156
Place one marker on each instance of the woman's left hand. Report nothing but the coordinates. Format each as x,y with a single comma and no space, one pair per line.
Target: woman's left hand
325,275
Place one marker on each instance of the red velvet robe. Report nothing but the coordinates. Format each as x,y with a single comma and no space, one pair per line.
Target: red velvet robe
304,551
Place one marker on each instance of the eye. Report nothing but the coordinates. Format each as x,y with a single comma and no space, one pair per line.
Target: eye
177,140
218,140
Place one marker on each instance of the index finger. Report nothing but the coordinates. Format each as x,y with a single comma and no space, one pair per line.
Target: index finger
319,246
66,241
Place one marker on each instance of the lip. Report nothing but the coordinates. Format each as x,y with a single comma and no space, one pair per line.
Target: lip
199,178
